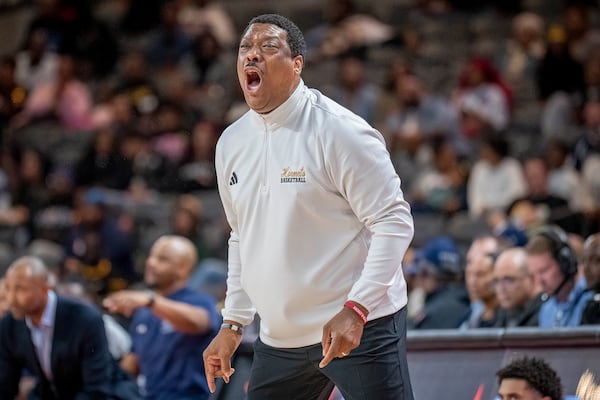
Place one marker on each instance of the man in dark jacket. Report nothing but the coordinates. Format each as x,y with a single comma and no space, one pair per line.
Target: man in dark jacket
591,271
438,271
61,342
517,295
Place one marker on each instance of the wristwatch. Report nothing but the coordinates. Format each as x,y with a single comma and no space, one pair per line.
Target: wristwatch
151,298
236,328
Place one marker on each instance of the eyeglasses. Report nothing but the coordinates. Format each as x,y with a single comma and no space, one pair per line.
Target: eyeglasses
506,280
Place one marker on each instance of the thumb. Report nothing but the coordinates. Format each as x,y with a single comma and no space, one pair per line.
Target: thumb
226,368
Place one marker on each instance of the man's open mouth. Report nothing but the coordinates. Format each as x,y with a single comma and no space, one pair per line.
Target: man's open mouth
252,80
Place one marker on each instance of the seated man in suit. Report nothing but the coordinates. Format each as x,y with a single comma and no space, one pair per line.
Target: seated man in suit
61,342
3,298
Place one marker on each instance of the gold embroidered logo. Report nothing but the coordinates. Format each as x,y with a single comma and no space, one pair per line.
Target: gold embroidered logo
289,175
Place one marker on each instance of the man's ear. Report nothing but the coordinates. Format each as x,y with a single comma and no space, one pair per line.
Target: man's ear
298,64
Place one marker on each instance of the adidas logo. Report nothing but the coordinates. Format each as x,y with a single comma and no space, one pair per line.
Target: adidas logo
233,180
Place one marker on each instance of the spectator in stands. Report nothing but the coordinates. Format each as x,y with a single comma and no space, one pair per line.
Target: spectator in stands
98,247
207,67
505,229
58,340
35,64
443,187
135,82
95,44
67,100
198,168
518,298
416,118
4,305
529,379
519,60
31,193
344,28
12,94
198,17
437,270
553,264
57,19
558,71
169,135
100,164
539,207
586,155
352,89
581,37
496,178
483,94
591,70
171,326
149,171
591,272
479,271
563,179
421,116
169,43
187,219
589,142
140,16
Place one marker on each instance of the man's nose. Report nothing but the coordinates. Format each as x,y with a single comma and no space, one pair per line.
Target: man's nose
253,54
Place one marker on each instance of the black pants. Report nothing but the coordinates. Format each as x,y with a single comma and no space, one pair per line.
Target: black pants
375,370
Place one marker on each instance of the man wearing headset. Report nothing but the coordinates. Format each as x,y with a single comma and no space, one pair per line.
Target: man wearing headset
553,264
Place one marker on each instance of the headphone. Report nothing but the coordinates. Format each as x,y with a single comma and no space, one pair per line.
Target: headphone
561,250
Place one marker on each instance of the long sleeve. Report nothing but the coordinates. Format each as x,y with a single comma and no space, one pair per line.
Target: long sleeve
363,173
238,306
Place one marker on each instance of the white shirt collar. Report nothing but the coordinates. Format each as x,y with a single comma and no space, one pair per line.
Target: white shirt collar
49,315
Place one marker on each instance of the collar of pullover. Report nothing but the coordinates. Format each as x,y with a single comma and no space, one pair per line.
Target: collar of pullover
281,113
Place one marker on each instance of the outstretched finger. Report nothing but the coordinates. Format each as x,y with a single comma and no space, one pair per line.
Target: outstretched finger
330,354
326,340
209,371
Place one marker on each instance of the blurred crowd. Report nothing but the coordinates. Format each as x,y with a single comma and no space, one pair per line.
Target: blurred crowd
110,112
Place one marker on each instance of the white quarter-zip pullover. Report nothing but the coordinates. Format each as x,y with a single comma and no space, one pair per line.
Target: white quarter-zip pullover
317,218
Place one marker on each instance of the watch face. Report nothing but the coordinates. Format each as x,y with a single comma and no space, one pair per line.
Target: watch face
233,327
151,298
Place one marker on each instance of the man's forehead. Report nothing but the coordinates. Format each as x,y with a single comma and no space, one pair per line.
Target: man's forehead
505,265
265,30
592,246
18,271
169,248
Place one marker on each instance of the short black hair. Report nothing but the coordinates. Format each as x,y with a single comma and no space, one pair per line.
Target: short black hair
497,142
295,38
538,374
